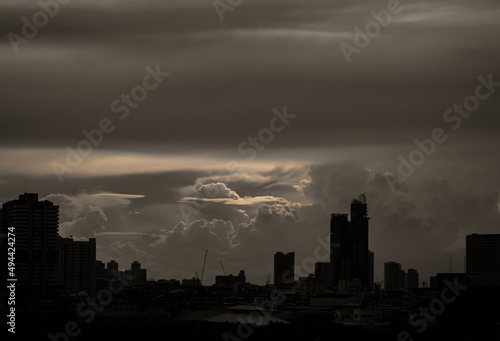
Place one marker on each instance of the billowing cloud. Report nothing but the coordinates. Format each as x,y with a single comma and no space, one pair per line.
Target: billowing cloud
303,184
69,209
83,215
88,225
216,190
126,252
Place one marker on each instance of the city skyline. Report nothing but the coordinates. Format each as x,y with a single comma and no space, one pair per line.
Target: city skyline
349,234
166,128
60,282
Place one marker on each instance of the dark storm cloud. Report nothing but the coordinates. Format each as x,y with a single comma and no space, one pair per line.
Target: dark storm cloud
226,77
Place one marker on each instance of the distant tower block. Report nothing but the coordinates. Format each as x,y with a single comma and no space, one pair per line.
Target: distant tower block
350,258
284,274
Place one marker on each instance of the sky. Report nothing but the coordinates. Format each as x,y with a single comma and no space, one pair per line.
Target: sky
163,129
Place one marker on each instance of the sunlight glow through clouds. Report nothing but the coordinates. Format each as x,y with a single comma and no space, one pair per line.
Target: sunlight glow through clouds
38,161
245,201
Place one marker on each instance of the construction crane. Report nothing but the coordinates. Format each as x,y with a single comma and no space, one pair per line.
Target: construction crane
222,266
204,262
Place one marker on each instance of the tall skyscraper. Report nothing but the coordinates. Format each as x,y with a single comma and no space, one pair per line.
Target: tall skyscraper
349,254
482,253
392,275
77,265
35,226
284,270
412,281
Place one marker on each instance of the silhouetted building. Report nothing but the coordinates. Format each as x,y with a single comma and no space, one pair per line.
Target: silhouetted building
349,254
392,275
193,282
482,254
230,280
470,300
111,267
402,279
433,283
284,270
412,281
311,284
100,269
77,265
346,286
323,270
35,226
139,275
371,269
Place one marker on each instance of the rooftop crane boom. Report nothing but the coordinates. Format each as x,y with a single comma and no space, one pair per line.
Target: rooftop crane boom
204,262
222,266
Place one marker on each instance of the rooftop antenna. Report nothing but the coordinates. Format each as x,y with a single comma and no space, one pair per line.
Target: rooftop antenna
450,264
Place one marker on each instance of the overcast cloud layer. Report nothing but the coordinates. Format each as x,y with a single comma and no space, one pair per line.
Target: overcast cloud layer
353,120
